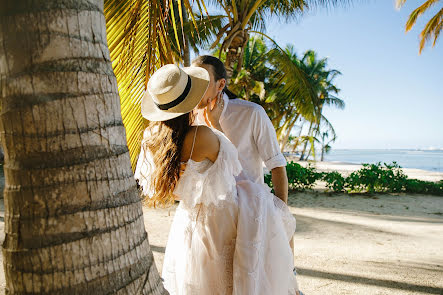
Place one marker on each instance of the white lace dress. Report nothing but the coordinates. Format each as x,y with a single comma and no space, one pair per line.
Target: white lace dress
229,235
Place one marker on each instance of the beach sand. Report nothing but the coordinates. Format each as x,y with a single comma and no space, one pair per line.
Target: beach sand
381,244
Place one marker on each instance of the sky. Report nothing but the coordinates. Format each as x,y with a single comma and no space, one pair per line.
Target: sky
393,95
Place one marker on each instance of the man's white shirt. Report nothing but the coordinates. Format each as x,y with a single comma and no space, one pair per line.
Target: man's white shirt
249,128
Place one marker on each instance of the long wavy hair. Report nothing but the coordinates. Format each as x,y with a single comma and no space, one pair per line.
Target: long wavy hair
165,142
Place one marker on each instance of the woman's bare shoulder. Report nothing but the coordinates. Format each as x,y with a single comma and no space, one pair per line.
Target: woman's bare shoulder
207,143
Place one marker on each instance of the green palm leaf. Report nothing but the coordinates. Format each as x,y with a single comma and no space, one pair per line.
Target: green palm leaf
140,42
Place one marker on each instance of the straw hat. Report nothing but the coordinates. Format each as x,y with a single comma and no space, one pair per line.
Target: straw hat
173,91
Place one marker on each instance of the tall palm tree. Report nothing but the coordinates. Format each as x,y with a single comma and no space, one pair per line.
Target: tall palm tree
73,216
302,102
432,29
246,16
322,80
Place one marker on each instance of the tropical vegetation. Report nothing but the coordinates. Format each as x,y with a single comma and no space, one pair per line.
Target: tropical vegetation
292,90
371,178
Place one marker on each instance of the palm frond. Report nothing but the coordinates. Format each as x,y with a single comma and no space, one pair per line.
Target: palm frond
400,3
139,43
431,30
294,83
284,10
328,126
328,4
201,31
437,32
419,11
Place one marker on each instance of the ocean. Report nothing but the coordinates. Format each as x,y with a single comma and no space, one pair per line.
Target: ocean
431,160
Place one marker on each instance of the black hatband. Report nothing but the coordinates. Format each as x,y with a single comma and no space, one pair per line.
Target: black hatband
167,106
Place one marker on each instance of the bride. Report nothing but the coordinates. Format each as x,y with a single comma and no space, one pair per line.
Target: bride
229,235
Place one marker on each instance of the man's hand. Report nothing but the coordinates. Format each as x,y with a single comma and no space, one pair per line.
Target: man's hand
213,112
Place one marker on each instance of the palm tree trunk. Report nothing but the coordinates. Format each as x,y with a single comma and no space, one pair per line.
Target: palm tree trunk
235,47
309,152
302,156
73,216
285,138
186,50
298,139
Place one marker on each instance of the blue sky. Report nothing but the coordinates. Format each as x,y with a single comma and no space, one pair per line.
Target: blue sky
394,97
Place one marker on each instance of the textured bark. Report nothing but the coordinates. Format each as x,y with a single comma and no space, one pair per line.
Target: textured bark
186,48
73,216
235,47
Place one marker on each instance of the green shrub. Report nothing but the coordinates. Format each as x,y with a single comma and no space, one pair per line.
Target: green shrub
301,178
372,178
424,187
377,178
334,181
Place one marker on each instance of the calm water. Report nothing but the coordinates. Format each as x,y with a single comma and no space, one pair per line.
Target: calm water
421,159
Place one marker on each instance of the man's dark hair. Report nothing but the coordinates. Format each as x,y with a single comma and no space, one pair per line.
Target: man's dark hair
219,70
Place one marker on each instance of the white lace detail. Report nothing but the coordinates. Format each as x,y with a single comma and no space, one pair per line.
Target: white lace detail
210,184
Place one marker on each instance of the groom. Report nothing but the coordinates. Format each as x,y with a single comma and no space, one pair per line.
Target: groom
247,126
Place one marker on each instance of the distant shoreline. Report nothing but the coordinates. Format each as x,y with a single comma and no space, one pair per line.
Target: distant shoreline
426,160
347,168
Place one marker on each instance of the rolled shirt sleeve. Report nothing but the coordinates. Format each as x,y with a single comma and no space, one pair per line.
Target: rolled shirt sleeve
266,140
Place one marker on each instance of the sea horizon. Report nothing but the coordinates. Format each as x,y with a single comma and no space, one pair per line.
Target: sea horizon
425,159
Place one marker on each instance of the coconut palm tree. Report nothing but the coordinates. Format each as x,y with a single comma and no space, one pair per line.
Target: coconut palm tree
322,80
73,216
432,29
303,98
325,141
247,16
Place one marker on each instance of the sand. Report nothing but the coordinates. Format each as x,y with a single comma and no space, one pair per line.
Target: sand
382,244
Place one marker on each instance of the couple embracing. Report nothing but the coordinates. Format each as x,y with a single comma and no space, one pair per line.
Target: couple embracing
203,147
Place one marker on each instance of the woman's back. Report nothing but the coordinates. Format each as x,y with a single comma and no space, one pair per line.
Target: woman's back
229,236
200,249
200,143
